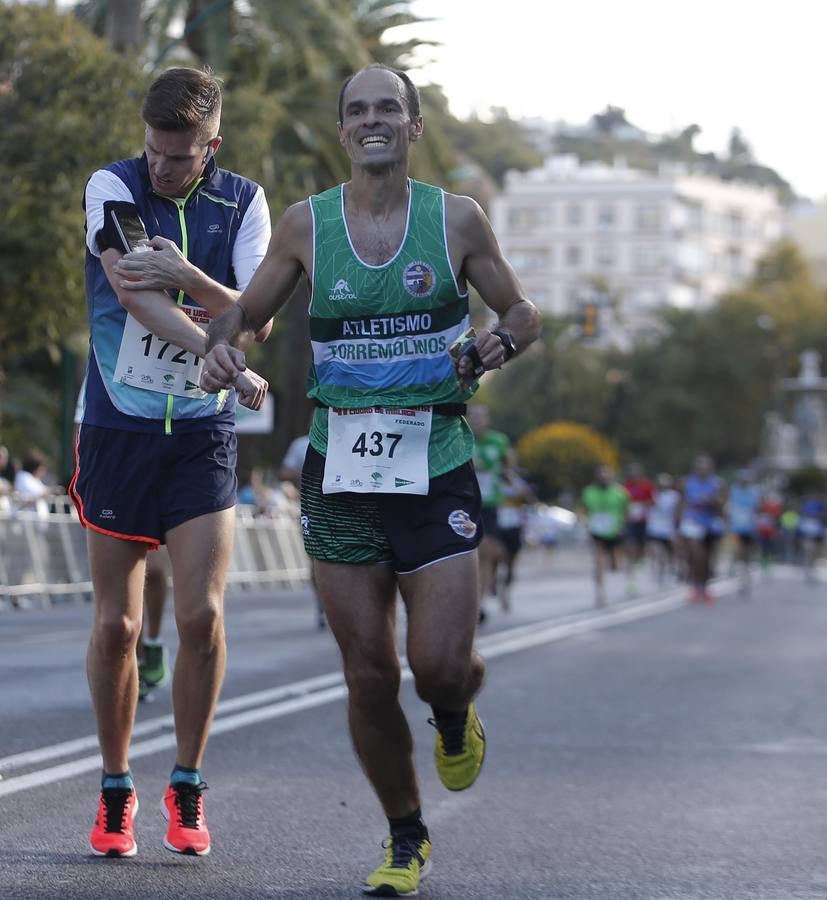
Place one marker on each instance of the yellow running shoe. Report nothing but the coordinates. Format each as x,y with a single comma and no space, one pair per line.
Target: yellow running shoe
407,862
459,749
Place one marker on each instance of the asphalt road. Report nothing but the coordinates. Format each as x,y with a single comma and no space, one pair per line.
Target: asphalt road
654,750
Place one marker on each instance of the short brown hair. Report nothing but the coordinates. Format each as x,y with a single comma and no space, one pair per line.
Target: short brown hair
184,100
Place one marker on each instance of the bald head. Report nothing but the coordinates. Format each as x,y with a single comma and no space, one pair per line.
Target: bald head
407,89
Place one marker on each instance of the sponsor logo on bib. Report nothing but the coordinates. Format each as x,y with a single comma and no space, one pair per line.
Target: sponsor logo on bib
418,279
461,524
342,291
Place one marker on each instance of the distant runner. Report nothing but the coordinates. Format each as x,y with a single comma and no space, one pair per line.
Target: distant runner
606,505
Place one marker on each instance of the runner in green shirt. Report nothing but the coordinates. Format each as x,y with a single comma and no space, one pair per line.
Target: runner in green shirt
605,503
492,451
389,498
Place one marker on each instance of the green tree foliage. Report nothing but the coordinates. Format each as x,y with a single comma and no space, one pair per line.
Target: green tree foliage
555,379
701,381
808,480
68,105
497,145
707,381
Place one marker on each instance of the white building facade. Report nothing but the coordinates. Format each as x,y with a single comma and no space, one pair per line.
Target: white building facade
669,238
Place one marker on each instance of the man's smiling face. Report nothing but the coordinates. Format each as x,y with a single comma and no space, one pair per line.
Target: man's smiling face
376,128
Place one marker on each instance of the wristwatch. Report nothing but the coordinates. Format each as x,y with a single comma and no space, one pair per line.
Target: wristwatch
507,339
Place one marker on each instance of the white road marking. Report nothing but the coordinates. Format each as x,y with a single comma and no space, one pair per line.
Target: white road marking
275,703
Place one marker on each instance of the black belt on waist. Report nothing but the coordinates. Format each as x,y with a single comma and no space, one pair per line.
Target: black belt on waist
441,409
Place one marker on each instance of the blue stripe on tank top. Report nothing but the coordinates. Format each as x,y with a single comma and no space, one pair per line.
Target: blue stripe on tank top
385,375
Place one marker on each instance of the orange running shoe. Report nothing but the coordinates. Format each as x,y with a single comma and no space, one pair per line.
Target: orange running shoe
112,833
183,808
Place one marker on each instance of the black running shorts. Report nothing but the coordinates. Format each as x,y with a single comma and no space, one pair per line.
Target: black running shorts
409,531
139,486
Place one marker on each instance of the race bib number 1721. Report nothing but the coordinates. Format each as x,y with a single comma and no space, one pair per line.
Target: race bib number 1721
145,361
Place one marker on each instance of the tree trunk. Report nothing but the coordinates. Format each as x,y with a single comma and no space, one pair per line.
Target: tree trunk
123,25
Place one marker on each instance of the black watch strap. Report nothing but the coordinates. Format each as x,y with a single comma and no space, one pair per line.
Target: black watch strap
507,339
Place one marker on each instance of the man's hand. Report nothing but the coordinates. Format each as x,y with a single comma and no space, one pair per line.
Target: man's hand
252,389
482,352
164,269
491,352
222,366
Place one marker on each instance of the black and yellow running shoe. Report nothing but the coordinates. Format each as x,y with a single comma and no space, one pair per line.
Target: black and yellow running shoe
407,862
459,750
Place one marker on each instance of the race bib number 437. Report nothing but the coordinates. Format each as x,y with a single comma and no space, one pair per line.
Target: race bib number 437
377,450
145,361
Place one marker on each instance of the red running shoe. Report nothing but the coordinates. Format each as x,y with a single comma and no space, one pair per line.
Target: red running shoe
183,808
112,833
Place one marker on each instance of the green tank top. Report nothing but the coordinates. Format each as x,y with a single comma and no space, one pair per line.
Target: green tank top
380,334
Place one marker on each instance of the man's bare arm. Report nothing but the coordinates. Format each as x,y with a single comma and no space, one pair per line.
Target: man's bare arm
270,288
156,310
472,241
166,268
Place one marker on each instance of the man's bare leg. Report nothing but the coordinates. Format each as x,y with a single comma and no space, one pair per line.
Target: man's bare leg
442,602
117,569
600,559
199,551
360,603
155,594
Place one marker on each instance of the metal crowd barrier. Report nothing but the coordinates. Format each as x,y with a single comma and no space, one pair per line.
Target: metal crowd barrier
43,555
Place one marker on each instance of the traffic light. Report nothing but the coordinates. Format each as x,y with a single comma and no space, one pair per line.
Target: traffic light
589,319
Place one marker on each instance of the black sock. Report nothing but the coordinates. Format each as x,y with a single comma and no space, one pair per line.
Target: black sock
448,716
410,824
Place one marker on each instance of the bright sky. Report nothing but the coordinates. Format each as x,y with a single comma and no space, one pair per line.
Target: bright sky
755,64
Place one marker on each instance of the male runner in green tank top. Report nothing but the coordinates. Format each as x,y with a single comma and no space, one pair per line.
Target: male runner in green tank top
389,497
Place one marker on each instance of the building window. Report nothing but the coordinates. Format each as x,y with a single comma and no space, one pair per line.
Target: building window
574,297
648,218
574,256
647,259
606,215
695,217
529,260
735,263
574,214
734,225
605,256
529,216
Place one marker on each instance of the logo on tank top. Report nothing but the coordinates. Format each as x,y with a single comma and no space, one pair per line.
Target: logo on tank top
419,279
342,291
462,524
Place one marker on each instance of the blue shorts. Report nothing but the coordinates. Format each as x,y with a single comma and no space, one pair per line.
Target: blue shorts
138,486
